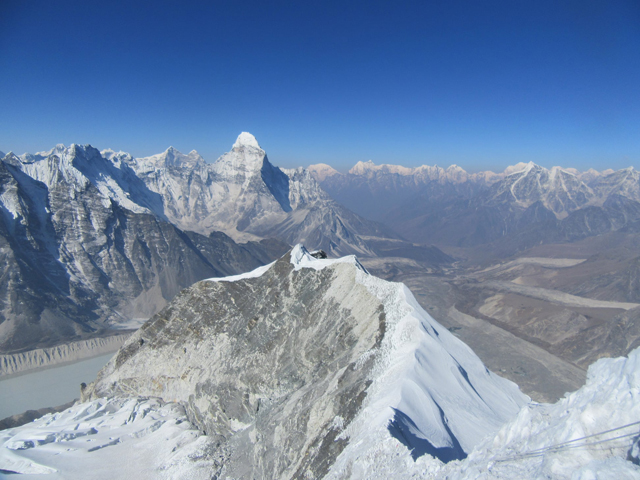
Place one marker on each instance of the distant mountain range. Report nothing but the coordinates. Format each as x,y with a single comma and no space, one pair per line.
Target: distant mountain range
90,240
524,205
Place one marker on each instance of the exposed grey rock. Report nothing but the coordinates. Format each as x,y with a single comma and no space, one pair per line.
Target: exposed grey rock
280,369
266,385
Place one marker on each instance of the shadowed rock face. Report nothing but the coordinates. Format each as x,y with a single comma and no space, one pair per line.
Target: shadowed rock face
268,367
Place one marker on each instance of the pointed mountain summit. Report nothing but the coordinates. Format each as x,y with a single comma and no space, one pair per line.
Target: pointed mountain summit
245,196
245,139
245,157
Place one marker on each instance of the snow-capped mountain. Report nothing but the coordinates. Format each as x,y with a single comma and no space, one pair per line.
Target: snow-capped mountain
85,245
625,183
309,368
88,234
76,167
245,196
302,367
558,190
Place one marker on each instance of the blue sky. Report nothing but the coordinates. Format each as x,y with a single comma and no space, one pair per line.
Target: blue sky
482,84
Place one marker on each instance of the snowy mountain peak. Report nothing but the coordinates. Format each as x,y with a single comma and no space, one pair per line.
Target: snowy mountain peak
245,159
362,167
321,171
245,139
59,148
523,169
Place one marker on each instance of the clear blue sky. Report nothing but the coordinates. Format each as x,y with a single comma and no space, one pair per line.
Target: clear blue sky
483,84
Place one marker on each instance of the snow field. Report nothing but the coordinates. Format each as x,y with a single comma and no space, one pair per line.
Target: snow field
140,438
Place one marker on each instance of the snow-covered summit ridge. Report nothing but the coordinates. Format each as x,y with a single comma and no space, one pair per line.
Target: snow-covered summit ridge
245,139
255,273
77,167
301,258
413,390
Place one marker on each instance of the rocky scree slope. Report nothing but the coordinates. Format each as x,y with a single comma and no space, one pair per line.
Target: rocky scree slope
309,368
85,246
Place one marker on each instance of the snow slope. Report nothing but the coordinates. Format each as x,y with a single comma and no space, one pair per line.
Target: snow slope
105,439
566,440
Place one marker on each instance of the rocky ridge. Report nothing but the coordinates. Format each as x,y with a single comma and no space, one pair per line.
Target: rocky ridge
298,368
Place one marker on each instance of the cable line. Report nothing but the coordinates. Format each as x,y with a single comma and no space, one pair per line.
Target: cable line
569,444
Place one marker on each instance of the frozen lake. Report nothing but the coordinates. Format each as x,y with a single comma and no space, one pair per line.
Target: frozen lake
49,387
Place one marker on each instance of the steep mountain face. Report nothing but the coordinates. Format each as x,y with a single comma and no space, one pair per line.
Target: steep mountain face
554,206
309,368
557,190
85,247
245,196
523,200
625,183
